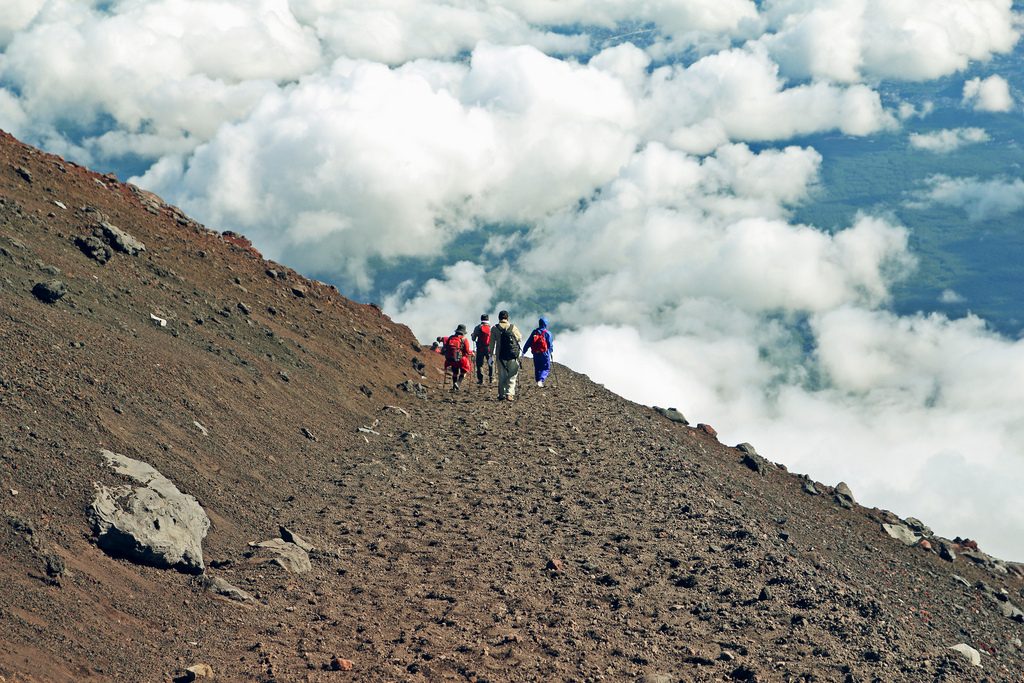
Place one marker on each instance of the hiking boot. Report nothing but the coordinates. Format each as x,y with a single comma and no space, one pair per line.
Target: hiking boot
455,387
540,384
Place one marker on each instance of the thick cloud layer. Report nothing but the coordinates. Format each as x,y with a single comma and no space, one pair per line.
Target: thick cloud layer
631,165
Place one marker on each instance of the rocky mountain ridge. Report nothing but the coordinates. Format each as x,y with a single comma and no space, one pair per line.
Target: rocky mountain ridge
363,523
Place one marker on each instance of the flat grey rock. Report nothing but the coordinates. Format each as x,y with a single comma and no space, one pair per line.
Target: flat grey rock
154,524
221,587
288,556
972,655
902,534
121,240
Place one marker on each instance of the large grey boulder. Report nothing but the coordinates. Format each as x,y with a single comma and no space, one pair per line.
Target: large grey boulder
154,524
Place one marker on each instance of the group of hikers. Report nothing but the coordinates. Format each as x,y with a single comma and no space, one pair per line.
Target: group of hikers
496,345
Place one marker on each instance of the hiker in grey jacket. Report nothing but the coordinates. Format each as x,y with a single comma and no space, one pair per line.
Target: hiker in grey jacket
505,343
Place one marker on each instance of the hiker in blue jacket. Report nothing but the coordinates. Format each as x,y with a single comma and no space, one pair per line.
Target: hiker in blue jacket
541,345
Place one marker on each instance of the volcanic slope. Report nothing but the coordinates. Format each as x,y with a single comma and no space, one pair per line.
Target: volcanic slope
567,536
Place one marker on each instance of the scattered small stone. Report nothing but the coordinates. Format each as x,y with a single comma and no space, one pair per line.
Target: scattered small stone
367,391
808,487
50,291
411,387
61,205
244,309
418,365
121,240
707,429
1016,642
918,526
753,463
946,552
843,502
1011,611
925,545
219,586
94,248
271,310
198,672
55,567
842,489
765,594
308,434
672,415
901,534
284,376
962,581
288,556
744,673
201,428
746,448
158,321
292,537
340,664
24,173
271,273
555,565
972,655
299,291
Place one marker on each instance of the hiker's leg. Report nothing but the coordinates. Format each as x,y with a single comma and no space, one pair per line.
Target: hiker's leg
542,366
512,368
503,379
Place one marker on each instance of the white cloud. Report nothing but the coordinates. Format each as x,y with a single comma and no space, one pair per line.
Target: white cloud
738,95
908,110
168,68
990,94
397,31
396,162
949,296
443,303
15,15
852,40
981,200
948,140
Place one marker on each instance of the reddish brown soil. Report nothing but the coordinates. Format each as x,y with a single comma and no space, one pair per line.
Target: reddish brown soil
570,535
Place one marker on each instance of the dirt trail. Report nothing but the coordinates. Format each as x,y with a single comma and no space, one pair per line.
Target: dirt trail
569,535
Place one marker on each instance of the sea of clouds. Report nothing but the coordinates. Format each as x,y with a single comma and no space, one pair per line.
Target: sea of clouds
643,162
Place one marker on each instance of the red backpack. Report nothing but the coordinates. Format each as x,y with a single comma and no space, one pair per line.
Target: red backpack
453,348
538,342
483,337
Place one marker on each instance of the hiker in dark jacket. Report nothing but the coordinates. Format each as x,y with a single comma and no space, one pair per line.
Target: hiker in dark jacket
541,345
456,355
482,336
505,340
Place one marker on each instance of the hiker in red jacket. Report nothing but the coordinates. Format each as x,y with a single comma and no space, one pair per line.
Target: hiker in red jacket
456,355
482,337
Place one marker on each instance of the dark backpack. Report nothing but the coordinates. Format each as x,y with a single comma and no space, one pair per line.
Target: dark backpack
508,347
453,348
538,343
